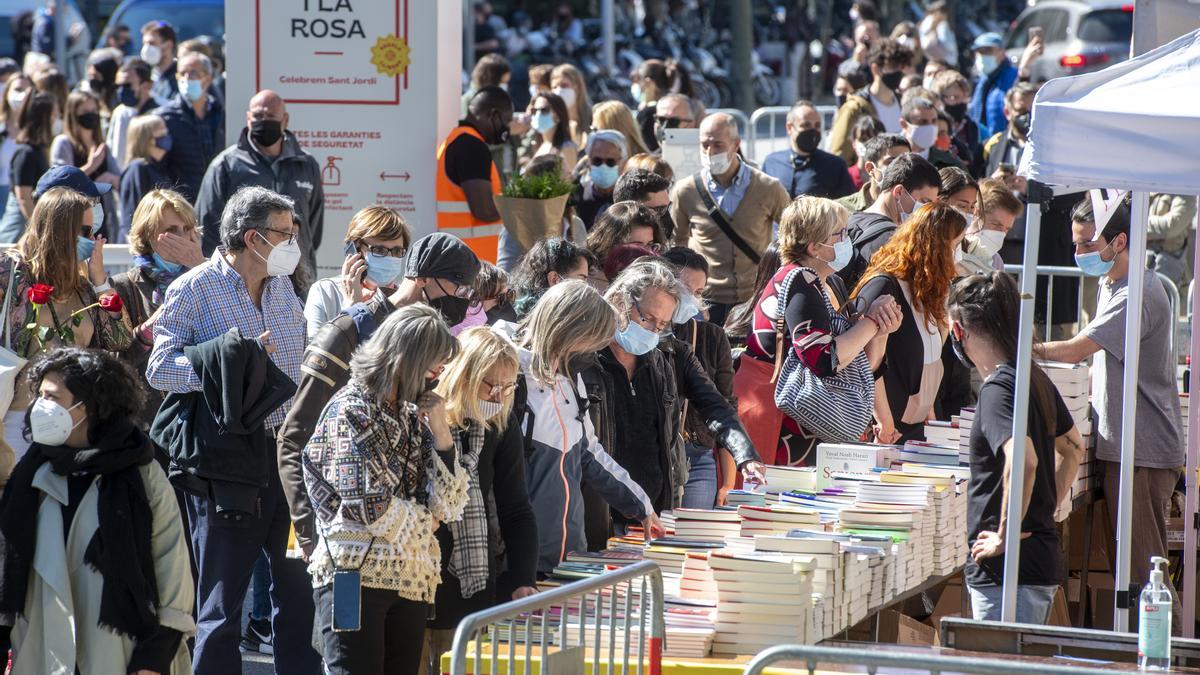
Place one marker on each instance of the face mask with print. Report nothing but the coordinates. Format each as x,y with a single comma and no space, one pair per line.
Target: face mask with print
842,252
50,423
489,409
84,248
686,310
282,259
542,122
604,176
151,54
383,270
636,340
567,95
718,164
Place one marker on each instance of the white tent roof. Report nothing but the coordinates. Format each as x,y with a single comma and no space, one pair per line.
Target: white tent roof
1132,126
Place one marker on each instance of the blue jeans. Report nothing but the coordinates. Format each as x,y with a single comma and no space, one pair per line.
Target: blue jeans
509,252
260,590
701,489
1033,602
12,223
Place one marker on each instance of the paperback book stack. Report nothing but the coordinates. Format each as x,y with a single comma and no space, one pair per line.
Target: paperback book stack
759,595
745,498
691,626
945,434
946,453
707,524
776,519
908,529
697,582
825,550
1073,382
789,478
867,567
965,419
948,499
671,552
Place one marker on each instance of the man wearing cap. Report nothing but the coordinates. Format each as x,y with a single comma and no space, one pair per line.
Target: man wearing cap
996,75
72,178
439,270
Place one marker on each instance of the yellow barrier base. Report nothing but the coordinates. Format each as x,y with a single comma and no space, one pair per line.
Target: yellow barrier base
733,665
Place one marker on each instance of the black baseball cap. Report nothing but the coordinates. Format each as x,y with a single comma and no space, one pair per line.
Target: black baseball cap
70,177
441,256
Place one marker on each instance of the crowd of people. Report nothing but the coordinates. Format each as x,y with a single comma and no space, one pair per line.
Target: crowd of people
429,432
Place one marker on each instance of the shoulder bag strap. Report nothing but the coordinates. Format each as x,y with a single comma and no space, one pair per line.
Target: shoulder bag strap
684,414
8,293
782,339
718,217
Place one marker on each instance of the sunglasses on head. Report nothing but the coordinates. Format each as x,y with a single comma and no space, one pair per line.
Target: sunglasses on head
597,161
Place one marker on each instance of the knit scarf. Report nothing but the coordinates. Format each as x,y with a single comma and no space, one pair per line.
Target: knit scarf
469,558
121,549
158,275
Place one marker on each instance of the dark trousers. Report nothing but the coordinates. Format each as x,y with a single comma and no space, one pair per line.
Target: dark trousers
225,555
389,642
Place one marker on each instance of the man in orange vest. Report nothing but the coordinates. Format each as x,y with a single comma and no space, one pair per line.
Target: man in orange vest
467,179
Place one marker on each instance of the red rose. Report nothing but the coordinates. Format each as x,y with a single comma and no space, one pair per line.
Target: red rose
39,294
111,303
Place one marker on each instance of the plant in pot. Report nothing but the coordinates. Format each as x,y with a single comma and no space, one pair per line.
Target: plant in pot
532,206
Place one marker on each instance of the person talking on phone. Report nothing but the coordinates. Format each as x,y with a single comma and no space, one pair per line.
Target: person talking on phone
376,241
382,470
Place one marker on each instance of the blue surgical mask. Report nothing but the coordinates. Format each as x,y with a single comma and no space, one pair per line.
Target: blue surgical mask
84,248
604,176
97,216
636,340
686,310
542,122
986,63
383,270
1092,264
166,265
163,143
192,90
842,252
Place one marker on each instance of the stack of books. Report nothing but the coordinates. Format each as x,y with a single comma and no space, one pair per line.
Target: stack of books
776,519
905,526
789,478
691,626
938,432
824,549
1073,381
745,498
964,419
671,552
923,452
697,582
947,494
763,600
707,524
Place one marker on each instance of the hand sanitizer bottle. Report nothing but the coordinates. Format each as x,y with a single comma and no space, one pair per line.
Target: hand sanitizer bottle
1154,622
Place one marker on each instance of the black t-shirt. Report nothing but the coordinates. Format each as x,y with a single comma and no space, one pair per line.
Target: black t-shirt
1041,554
29,162
468,158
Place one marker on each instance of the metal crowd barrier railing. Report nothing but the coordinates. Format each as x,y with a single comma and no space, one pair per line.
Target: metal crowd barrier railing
884,660
616,613
117,257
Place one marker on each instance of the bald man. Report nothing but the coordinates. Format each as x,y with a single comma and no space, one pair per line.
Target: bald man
196,123
726,213
268,155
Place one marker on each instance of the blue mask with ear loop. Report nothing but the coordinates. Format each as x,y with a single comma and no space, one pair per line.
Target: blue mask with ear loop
84,248
1092,264
687,309
636,340
166,265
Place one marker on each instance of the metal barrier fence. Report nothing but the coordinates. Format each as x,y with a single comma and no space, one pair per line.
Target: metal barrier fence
767,132
117,257
875,660
620,606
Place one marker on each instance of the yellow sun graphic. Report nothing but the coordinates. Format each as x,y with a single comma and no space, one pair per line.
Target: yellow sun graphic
390,55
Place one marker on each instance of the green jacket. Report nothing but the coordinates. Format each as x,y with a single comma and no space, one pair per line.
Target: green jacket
840,141
858,201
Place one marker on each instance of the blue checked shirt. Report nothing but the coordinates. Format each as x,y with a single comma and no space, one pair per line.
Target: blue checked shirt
205,303
729,198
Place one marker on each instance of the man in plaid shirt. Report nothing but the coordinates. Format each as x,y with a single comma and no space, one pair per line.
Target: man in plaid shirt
244,285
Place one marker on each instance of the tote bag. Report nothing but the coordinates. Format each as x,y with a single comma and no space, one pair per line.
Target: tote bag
836,409
10,367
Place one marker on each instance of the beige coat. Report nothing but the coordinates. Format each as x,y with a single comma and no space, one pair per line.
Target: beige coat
64,592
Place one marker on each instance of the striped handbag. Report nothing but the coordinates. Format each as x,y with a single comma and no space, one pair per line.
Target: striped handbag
836,409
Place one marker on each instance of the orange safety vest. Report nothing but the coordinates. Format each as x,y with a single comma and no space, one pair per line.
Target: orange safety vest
454,214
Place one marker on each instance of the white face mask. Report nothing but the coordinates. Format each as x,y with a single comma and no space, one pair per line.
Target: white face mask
718,164
97,216
50,423
57,127
923,136
151,54
16,98
988,242
283,258
567,95
489,409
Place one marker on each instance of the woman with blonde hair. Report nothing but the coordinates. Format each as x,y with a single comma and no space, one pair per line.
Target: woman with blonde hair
148,143
165,242
479,387
568,84
53,280
916,268
804,297
375,243
561,448
616,115
82,145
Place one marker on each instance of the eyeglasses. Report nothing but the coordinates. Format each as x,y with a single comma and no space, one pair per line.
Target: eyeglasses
384,251
660,327
458,292
291,236
597,161
670,122
500,389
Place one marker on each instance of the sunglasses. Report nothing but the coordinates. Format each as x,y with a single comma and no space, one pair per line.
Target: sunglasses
670,122
597,161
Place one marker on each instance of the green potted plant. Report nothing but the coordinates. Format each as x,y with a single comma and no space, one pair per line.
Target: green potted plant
532,206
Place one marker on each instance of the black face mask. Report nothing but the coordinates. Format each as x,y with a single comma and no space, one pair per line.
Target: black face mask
841,100
1021,124
500,133
960,351
578,363
452,309
956,111
430,385
892,80
97,86
266,132
807,141
90,121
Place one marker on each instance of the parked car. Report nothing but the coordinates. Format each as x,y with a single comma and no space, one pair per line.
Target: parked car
1079,36
190,18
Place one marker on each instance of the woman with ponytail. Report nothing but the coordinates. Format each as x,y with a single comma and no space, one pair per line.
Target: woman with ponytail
984,316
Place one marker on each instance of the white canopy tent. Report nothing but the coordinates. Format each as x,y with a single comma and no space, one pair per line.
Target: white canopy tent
1133,126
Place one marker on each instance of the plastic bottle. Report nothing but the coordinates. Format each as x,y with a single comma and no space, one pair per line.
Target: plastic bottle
1154,622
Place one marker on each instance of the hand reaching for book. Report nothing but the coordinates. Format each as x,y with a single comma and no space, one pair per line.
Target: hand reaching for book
652,528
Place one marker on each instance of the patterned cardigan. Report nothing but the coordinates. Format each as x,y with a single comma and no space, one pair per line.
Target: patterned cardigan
379,490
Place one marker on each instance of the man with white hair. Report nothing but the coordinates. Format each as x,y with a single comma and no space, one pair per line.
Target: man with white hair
726,213
606,152
196,124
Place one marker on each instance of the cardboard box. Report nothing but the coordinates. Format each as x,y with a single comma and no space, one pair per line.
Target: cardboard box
1059,615
1098,562
950,602
1174,534
1101,599
896,628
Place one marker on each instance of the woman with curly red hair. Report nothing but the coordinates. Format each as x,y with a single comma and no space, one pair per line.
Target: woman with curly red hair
916,268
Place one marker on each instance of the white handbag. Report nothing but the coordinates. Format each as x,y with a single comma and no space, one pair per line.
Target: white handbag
11,365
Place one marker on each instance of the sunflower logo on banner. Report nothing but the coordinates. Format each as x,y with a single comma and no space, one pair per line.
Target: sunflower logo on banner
390,55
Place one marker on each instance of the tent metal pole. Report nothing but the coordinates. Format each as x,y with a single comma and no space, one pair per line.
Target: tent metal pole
1016,480
1189,480
1133,344
608,27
